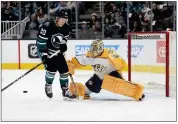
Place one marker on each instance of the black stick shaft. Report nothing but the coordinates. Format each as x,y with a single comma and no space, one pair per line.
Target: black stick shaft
28,72
21,77
73,84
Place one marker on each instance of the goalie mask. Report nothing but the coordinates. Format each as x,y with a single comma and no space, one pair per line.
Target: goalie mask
97,47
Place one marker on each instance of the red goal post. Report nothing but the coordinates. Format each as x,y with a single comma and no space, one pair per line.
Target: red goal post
166,38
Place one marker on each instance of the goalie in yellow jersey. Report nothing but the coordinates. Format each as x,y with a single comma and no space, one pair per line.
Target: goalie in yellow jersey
107,66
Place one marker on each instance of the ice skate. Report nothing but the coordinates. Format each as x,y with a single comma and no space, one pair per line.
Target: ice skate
67,95
48,90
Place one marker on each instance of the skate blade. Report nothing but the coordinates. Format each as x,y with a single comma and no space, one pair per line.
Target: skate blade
68,99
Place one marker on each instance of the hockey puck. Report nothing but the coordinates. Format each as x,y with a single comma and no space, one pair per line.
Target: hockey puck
25,91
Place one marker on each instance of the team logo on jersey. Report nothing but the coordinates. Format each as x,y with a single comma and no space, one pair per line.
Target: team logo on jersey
99,68
32,51
57,40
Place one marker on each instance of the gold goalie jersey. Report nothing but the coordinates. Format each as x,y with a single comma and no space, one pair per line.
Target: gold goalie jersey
103,64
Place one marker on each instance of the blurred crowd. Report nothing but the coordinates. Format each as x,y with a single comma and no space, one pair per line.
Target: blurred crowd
143,16
9,11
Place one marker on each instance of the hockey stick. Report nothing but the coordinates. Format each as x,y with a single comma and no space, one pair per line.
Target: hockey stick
56,53
73,84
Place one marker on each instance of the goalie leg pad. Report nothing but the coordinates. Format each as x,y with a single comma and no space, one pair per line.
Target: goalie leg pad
78,89
81,90
122,87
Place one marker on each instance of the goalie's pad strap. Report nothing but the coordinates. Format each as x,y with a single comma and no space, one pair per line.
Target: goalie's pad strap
122,87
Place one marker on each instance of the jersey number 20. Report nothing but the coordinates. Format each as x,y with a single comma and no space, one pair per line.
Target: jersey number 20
42,31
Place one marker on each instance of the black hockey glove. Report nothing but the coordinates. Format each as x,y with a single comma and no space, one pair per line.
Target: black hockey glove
45,58
63,48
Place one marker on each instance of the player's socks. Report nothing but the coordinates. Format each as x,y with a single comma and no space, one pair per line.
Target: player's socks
49,77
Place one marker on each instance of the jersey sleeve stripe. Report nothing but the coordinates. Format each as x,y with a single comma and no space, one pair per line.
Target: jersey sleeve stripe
41,43
52,50
44,38
62,78
67,36
41,40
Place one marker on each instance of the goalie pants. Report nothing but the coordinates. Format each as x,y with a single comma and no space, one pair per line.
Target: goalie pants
94,83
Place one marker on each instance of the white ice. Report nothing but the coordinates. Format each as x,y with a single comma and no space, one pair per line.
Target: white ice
105,106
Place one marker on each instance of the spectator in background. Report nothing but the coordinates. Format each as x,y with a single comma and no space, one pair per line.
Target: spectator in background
155,11
15,8
114,9
93,20
35,8
85,32
108,32
3,7
144,23
52,16
8,13
33,24
136,27
163,14
122,26
148,15
112,18
26,11
97,26
96,30
107,8
41,16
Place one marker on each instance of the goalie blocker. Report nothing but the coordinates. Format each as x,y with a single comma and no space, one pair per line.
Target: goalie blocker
113,83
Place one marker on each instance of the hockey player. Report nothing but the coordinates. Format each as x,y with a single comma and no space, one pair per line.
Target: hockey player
53,36
107,66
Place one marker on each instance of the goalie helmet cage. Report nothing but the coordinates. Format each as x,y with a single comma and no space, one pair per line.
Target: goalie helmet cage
164,37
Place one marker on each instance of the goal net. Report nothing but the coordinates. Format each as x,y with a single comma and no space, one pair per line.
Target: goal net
152,60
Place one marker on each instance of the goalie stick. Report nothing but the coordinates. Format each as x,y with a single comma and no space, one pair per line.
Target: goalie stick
74,84
56,53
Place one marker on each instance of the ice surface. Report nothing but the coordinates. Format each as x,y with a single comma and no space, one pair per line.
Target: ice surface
105,106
